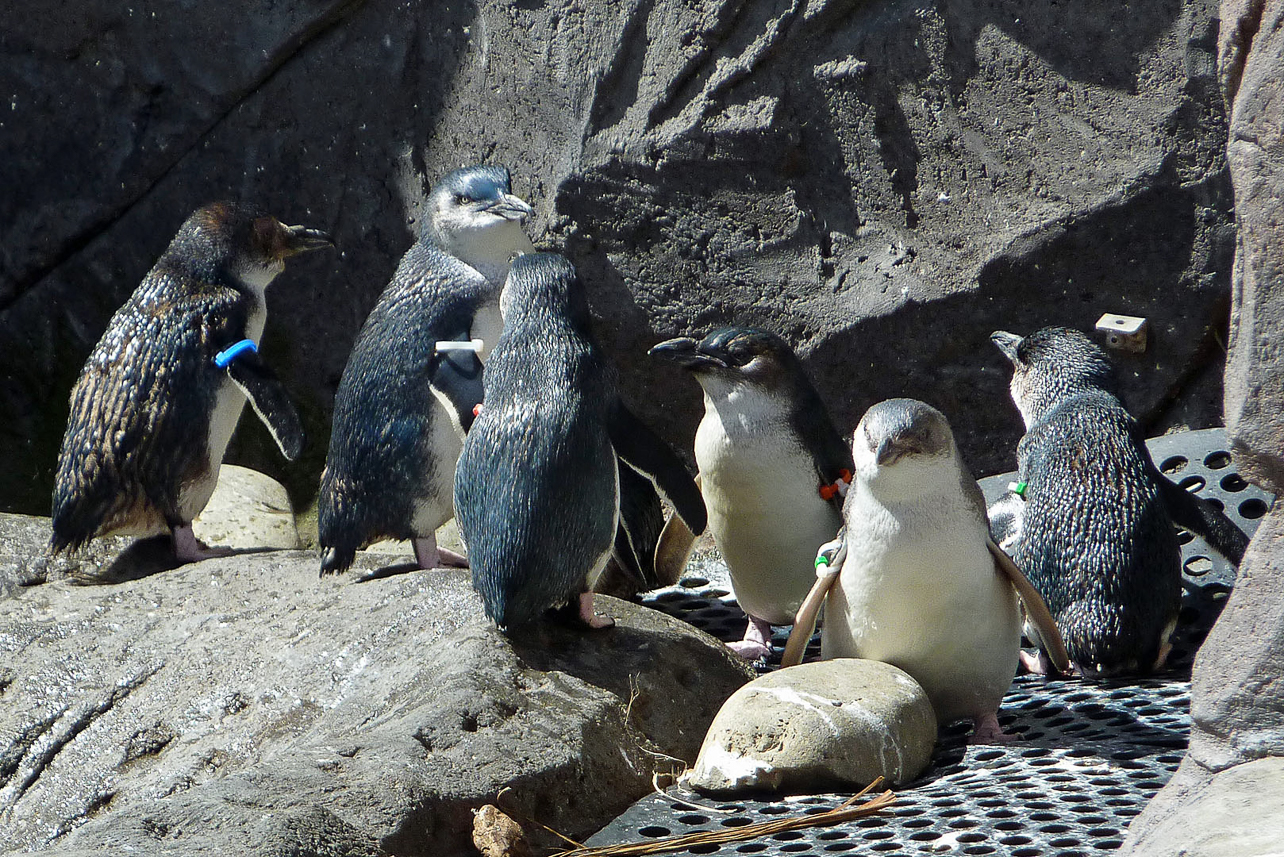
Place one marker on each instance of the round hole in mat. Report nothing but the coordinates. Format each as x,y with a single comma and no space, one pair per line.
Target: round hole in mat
979,849
841,846
885,846
655,832
832,834
1065,842
693,819
738,821
1216,503
972,837
1197,566
752,848
1217,460
1027,852
1193,484
694,582
1253,508
1108,845
925,836
1103,832
1015,840
1185,537
1233,482
774,809
788,836
1174,464
795,847
705,848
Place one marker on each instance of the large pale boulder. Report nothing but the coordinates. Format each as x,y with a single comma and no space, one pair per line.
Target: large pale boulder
836,723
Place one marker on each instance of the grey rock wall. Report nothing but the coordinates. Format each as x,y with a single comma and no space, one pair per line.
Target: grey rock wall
1225,797
883,183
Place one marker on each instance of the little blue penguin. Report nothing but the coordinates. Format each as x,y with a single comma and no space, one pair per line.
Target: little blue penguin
537,490
157,401
1094,528
919,587
403,405
772,470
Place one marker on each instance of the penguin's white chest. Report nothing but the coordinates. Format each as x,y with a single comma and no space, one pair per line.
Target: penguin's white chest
229,401
919,590
765,512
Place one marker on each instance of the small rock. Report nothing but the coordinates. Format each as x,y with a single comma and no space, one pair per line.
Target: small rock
247,510
838,722
497,835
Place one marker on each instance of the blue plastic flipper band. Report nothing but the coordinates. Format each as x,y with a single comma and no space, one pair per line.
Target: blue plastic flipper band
227,355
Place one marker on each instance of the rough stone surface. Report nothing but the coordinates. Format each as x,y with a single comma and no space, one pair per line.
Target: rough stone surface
247,510
883,183
1237,685
840,722
1239,813
240,705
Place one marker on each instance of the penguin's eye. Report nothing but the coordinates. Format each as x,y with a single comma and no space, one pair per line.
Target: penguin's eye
461,199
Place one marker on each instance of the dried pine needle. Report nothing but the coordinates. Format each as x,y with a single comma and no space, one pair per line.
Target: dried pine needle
845,811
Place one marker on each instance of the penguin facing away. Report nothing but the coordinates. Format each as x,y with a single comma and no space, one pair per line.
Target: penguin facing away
403,404
1094,531
160,395
918,585
537,486
772,470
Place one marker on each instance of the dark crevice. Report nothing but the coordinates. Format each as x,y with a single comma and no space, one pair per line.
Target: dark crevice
74,245
38,763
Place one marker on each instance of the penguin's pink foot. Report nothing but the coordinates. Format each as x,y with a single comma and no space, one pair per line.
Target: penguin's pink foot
988,731
1037,664
188,548
757,641
428,555
591,619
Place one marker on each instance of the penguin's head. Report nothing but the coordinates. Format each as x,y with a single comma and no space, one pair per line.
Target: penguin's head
903,447
1050,364
236,240
734,357
544,285
472,200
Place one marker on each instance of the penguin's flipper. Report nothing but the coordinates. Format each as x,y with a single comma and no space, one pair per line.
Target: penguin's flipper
645,452
456,380
674,548
830,557
1036,610
639,528
268,397
1202,518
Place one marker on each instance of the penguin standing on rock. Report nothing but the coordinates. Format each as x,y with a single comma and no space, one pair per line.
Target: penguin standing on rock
772,470
413,379
161,393
1094,528
920,585
537,491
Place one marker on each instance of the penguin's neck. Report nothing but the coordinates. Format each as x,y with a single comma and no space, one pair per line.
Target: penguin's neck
489,250
253,283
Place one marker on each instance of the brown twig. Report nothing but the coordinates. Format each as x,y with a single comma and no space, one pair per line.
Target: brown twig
845,811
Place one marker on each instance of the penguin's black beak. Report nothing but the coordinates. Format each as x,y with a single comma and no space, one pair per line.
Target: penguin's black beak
301,239
889,451
1007,343
685,352
509,207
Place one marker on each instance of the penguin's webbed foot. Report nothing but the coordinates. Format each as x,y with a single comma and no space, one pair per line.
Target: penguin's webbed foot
429,555
988,731
757,640
579,613
188,548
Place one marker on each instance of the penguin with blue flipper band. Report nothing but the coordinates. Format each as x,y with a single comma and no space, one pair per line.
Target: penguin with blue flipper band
152,413
409,391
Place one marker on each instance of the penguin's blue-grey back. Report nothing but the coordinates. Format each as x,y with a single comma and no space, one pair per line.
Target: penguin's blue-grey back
1096,539
535,489
380,460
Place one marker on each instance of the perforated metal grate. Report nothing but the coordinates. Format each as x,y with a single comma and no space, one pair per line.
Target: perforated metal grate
1090,757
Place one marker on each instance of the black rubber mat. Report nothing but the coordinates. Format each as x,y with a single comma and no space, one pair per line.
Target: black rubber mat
1091,753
